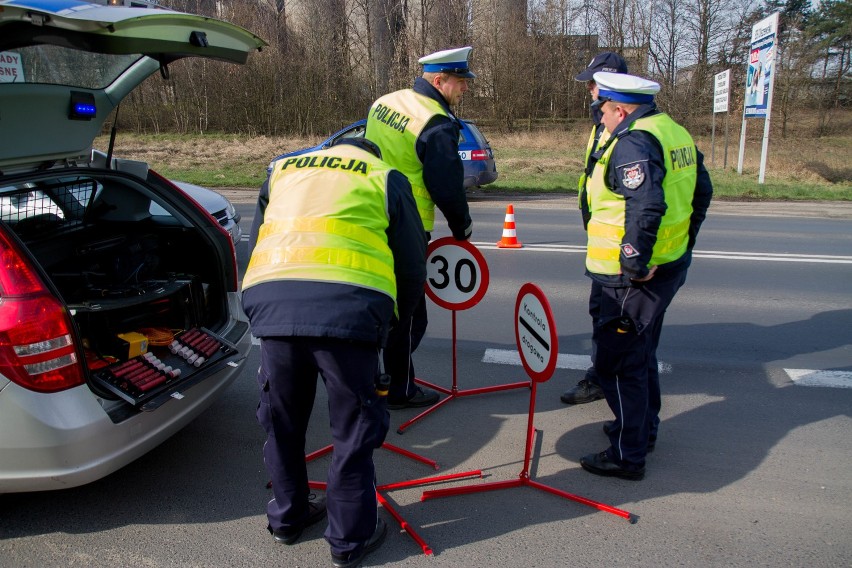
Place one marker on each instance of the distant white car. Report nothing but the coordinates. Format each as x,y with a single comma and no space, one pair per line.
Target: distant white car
217,205
120,318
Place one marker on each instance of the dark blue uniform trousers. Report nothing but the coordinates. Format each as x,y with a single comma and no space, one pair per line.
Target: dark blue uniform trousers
594,311
404,338
625,361
359,422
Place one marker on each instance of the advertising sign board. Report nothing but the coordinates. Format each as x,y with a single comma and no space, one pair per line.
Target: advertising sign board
761,66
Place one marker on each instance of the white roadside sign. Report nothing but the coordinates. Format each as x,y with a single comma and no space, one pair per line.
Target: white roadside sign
720,91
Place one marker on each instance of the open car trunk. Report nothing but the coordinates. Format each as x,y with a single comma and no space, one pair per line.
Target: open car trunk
139,267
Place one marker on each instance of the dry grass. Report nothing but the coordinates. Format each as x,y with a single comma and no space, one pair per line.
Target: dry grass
186,152
546,160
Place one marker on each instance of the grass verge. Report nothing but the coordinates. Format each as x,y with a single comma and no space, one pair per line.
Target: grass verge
541,162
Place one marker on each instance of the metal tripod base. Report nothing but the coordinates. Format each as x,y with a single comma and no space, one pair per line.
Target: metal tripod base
427,550
524,478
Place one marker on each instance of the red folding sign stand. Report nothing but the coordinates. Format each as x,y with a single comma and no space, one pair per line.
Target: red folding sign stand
454,391
427,550
448,259
538,355
524,479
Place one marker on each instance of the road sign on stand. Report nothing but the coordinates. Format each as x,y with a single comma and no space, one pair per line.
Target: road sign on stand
535,332
456,279
456,274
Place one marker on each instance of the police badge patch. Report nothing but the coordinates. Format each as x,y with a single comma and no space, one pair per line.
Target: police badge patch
628,251
633,176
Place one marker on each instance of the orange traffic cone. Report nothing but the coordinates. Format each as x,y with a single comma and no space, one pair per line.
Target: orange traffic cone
510,238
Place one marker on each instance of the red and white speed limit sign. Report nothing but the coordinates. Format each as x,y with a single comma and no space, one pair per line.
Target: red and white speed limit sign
456,274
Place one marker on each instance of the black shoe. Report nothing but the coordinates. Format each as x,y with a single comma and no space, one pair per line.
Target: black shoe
610,425
354,558
585,391
600,464
316,513
422,397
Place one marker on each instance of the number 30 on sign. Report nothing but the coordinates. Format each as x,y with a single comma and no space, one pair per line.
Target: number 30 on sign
456,274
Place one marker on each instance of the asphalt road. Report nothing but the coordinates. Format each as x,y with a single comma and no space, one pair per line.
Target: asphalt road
750,469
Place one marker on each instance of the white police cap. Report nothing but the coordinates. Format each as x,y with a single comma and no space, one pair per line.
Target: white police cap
624,88
452,61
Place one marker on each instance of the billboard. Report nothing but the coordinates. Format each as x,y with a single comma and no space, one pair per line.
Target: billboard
761,67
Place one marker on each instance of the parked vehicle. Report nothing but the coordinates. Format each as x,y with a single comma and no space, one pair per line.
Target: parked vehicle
217,205
474,150
120,319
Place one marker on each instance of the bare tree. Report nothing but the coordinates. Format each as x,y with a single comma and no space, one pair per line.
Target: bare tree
389,46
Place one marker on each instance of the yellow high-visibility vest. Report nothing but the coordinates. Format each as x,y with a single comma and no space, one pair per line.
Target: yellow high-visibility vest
606,227
581,184
394,124
326,221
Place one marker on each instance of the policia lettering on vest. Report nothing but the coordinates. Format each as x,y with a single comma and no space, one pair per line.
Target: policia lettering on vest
683,157
330,162
395,120
648,194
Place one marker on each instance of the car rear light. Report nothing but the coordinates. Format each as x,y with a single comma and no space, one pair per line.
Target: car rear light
479,155
36,346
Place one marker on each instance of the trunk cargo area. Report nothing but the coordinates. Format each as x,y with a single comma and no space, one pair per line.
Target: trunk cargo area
141,281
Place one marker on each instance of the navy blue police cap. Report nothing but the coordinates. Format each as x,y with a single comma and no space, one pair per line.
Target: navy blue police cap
360,142
606,61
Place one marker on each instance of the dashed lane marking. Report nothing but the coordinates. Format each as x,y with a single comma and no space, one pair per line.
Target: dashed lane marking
817,378
563,360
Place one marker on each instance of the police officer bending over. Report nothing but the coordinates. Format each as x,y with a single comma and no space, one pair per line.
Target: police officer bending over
419,135
339,247
648,195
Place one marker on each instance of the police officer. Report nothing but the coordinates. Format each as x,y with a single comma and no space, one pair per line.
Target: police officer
339,246
648,194
419,135
588,389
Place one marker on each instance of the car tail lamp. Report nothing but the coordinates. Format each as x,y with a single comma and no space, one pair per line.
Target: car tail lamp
36,346
479,155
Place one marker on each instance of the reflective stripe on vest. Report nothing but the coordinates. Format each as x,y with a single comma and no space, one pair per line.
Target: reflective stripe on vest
581,183
326,221
606,227
394,124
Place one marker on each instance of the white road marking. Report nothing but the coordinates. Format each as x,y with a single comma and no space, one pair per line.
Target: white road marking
725,255
800,377
563,360
817,378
